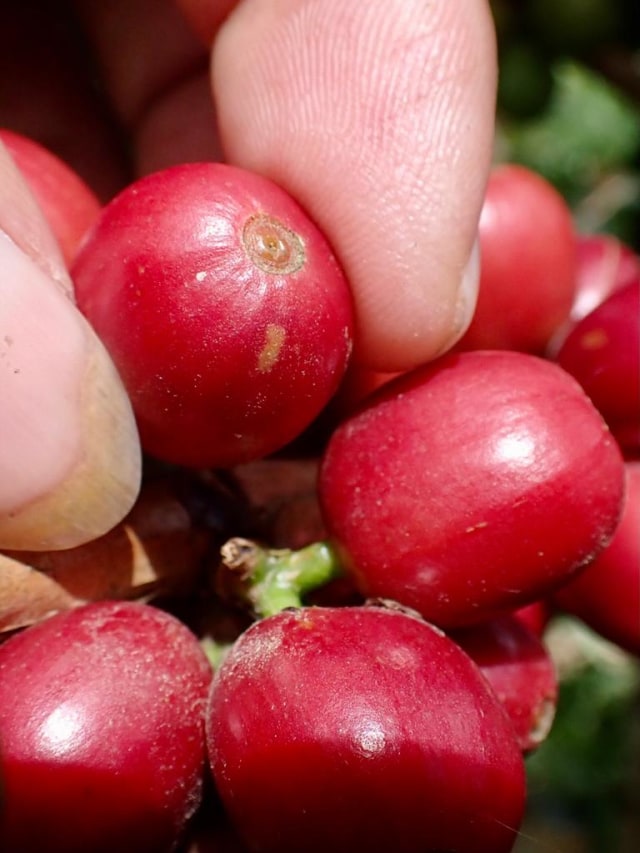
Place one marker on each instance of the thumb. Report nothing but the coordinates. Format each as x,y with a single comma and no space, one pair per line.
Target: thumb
69,451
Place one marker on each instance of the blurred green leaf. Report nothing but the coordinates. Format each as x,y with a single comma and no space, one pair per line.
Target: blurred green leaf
525,81
586,766
574,25
588,131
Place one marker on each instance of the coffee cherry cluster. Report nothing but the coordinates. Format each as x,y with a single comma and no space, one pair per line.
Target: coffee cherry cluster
321,628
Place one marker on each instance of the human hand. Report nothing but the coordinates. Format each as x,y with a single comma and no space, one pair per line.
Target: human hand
377,117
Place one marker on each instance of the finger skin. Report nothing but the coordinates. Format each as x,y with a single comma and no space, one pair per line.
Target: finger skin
69,451
378,117
155,71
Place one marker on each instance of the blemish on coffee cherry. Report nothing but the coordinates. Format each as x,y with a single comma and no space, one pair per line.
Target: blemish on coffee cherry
271,246
371,740
274,339
594,339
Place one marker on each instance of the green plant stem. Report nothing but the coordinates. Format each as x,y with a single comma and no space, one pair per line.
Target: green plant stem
215,651
272,579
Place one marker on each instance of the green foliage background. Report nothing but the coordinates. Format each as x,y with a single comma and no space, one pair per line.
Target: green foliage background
569,103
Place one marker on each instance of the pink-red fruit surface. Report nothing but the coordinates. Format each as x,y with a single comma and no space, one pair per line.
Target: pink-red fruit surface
602,351
223,307
521,672
361,728
102,731
605,264
471,486
606,595
528,263
535,616
69,205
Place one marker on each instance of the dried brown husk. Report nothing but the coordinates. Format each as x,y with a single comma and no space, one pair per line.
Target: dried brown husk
156,549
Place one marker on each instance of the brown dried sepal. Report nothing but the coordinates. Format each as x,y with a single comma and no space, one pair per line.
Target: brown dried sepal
155,549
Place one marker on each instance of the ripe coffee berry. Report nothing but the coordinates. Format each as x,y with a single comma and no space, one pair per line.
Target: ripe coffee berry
223,307
471,486
361,728
528,275
101,726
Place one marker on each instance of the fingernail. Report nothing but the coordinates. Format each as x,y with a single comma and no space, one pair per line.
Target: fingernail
466,297
70,461
468,292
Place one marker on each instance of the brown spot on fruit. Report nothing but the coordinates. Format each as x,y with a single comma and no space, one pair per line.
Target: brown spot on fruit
594,339
271,246
274,338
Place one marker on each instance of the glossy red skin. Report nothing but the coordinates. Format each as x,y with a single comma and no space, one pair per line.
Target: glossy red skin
527,279
471,486
521,672
361,728
68,203
534,616
224,362
602,352
606,595
102,731
605,264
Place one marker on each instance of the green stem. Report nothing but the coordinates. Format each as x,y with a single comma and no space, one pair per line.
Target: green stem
272,579
215,651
